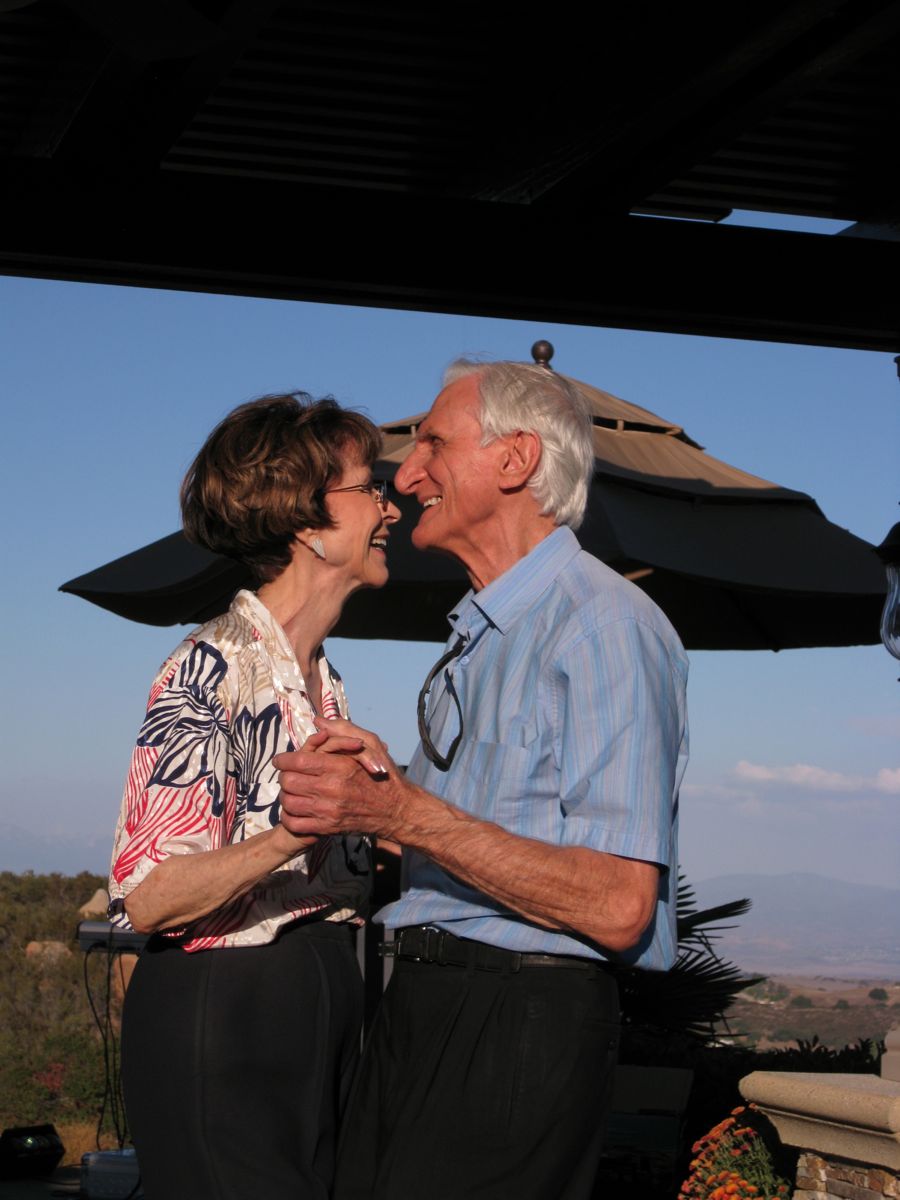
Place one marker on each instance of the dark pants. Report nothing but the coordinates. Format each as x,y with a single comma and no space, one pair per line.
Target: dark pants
482,1084
236,1064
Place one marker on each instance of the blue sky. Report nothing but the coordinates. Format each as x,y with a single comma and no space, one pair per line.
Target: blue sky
107,394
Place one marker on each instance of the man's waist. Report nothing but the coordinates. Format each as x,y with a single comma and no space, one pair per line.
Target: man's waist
480,922
430,944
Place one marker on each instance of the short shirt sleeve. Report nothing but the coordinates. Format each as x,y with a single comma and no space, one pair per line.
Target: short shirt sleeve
180,792
622,728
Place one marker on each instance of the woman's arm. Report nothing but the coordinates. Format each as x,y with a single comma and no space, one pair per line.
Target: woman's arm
174,860
184,887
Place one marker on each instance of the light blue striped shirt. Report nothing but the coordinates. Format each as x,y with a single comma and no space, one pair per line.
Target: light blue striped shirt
572,689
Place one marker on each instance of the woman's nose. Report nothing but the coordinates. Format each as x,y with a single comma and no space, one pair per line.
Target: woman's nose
391,512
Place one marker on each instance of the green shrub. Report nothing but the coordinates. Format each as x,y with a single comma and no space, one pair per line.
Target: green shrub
50,1047
767,989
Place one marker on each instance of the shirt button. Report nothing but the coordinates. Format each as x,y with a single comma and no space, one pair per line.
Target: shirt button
464,660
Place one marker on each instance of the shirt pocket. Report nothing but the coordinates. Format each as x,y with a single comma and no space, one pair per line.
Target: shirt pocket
496,782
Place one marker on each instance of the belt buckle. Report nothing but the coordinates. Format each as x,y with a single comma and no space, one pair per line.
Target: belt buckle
428,949
434,944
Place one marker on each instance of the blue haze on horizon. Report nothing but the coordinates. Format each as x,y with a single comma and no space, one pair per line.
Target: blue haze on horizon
109,391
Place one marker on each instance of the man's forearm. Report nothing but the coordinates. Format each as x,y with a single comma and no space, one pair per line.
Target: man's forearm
609,899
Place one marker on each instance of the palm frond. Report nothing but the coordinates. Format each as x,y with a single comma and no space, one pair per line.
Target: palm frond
701,924
695,994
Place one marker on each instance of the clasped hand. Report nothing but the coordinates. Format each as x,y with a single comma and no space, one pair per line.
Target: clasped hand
342,779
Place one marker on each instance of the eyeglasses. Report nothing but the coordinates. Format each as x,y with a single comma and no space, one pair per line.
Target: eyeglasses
377,489
441,761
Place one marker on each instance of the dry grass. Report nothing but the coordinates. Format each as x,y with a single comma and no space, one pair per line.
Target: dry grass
80,1137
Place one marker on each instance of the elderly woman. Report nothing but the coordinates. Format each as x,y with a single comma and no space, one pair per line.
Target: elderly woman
241,1024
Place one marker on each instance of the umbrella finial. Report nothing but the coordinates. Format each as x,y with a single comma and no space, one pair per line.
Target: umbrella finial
542,352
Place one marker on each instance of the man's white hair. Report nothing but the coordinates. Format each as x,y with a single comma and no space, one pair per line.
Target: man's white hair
524,396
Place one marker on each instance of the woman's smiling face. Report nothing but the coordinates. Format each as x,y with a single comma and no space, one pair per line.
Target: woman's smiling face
356,545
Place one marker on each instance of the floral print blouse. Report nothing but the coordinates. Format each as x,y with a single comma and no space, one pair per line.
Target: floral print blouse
223,705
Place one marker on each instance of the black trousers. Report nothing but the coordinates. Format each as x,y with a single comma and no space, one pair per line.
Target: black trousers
482,1084
236,1065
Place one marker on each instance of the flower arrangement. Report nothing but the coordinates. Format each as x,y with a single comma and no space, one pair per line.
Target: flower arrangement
734,1162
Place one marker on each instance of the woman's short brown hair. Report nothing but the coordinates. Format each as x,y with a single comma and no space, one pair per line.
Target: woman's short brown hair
261,476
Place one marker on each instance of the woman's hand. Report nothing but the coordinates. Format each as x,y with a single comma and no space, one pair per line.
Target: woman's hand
343,779
338,736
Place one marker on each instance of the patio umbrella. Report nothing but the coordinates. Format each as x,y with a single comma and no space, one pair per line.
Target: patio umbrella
736,562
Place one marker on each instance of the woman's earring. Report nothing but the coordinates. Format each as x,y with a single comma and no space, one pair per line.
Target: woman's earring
317,547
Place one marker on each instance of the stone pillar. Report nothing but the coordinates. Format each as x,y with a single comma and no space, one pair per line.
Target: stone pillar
828,1179
847,1127
890,1060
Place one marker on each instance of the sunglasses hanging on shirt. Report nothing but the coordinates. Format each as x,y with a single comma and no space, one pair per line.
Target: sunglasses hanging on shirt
441,761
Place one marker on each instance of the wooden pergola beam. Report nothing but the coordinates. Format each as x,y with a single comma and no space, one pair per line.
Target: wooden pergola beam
496,260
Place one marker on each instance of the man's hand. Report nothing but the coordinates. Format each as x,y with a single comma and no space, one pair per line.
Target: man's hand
342,780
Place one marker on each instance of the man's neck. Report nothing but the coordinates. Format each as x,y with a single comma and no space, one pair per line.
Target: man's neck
509,544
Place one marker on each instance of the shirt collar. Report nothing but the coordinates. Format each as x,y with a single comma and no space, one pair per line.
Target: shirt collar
506,598
249,606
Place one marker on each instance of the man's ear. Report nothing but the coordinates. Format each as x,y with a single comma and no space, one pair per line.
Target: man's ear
521,460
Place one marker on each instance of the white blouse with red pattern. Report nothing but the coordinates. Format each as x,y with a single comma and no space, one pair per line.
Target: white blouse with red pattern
223,705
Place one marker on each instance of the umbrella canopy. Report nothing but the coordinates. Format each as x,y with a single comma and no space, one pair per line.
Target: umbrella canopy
736,562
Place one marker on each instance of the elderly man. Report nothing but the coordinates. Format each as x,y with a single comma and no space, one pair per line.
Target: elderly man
537,817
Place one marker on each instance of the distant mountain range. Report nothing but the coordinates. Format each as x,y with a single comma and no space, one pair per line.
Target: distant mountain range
809,925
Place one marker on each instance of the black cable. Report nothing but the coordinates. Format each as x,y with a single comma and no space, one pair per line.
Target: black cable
103,1039
112,1095
112,1081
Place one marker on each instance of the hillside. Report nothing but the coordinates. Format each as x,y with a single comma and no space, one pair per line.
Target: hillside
837,1012
50,1049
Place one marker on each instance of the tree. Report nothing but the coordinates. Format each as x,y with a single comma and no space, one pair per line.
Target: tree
801,1002
879,995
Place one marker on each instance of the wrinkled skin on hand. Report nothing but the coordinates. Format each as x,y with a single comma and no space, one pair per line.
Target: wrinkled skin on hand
341,780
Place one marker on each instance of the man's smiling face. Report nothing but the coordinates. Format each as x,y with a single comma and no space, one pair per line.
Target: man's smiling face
452,475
